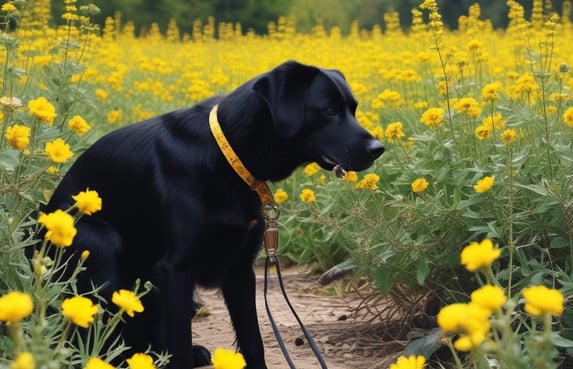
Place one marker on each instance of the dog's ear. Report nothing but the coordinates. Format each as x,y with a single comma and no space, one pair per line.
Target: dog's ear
284,90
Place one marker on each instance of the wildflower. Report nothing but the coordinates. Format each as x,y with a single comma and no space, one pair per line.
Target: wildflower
114,116
311,169
369,182
377,132
419,185
485,184
568,117
78,125
483,131
52,169
58,150
489,297
43,110
470,320
540,300
127,301
9,8
79,310
559,97
410,362
227,359
433,117
18,136
490,91
140,361
350,176
280,196
87,202
97,363
101,94
59,226
479,255
394,131
15,306
307,195
24,360
508,136
468,106
85,254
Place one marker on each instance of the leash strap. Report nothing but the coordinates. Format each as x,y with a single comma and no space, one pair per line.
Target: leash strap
280,340
271,213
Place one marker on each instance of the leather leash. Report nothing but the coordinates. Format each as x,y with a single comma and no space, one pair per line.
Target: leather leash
271,212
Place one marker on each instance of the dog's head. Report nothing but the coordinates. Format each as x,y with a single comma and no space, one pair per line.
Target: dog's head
314,108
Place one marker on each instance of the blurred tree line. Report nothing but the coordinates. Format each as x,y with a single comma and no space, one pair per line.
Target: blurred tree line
256,14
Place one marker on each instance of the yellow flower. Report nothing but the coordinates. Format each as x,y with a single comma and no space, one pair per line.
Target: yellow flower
114,116
410,362
58,151
15,306
449,317
97,363
79,310
140,361
469,106
311,169
9,7
470,320
394,131
479,255
485,184
280,196
490,91
483,131
369,182
18,136
227,359
419,185
43,110
24,360
87,202
307,195
433,117
127,301
508,136
101,94
540,300
59,226
350,176
489,297
78,125
568,117
85,254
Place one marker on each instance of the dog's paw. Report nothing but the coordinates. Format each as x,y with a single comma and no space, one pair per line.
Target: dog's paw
201,356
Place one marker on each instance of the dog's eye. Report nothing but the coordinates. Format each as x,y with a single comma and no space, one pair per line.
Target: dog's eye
331,111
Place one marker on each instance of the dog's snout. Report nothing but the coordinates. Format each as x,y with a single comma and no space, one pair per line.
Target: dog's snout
375,148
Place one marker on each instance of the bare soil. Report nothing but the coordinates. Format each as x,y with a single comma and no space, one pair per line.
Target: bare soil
343,337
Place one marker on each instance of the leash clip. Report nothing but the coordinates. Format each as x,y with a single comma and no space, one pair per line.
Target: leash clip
271,213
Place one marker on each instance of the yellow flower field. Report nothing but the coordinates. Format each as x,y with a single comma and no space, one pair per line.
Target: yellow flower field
477,124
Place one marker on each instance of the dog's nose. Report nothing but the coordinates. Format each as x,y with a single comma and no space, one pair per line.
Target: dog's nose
375,148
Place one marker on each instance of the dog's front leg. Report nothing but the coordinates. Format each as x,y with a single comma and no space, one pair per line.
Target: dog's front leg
239,293
176,287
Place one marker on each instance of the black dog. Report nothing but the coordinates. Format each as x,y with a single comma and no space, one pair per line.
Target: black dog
175,213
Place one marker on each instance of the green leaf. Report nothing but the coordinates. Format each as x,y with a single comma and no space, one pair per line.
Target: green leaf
383,281
422,271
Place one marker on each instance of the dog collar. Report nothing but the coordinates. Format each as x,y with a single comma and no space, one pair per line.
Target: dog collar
260,187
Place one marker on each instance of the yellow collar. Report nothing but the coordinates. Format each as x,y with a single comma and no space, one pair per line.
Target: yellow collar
260,187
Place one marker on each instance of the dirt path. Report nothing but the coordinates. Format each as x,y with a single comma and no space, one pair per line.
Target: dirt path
330,320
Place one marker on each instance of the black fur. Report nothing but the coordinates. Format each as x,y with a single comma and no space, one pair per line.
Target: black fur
175,213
